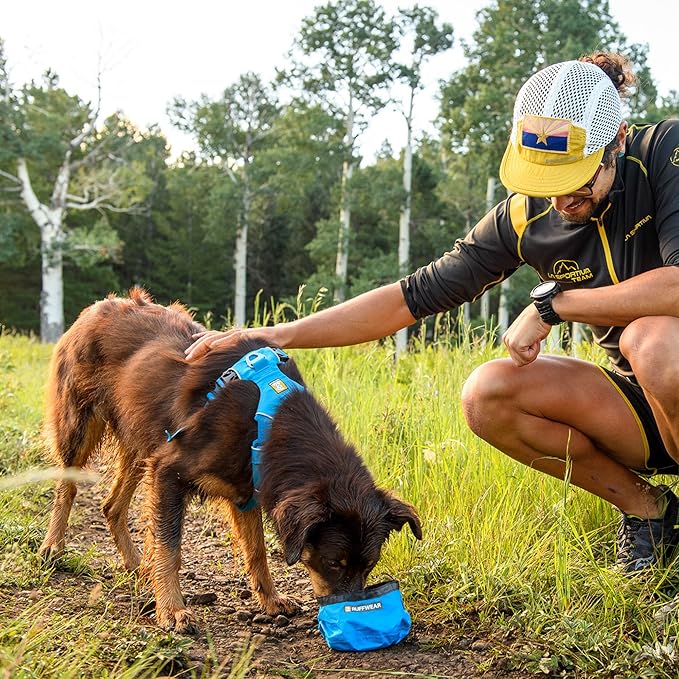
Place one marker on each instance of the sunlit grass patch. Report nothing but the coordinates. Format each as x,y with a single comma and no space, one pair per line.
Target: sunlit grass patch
507,553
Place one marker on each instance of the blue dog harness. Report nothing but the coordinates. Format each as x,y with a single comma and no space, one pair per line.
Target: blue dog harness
262,367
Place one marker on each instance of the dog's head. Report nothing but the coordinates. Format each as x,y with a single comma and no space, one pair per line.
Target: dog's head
338,533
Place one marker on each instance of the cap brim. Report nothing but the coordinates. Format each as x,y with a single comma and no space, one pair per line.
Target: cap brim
544,181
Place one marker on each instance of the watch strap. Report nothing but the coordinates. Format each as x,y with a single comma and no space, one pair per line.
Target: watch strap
546,311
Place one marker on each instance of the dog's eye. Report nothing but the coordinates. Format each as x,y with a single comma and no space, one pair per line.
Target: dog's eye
334,564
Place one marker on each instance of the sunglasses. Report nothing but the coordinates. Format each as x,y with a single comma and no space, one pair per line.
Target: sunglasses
586,190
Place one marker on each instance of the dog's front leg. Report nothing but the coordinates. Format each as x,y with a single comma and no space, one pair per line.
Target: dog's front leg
166,501
249,533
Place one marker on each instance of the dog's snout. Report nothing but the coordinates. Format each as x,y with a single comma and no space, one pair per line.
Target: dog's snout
350,583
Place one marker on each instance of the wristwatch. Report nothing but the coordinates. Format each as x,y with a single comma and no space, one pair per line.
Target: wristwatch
542,295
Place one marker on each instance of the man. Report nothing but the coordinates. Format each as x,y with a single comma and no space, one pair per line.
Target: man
595,211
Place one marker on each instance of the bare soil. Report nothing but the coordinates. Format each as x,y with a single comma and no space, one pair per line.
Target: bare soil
215,586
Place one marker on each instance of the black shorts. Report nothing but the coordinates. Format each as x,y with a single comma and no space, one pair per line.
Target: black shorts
658,460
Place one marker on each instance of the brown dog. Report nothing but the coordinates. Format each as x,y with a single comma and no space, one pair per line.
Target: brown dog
120,370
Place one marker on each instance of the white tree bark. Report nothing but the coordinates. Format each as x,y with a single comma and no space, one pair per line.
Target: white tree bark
404,221
49,220
342,260
467,307
485,299
240,255
503,310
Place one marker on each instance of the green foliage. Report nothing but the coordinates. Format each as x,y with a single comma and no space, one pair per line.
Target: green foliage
668,107
10,115
286,146
230,129
289,189
85,285
427,39
51,119
19,237
19,303
88,246
344,48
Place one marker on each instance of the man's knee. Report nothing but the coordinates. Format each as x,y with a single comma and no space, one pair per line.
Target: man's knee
650,344
486,392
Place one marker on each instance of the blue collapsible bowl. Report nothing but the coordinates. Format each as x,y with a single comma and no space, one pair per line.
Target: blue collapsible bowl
364,621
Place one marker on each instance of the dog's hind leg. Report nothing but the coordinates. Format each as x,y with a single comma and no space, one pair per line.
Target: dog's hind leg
116,508
164,512
249,534
74,440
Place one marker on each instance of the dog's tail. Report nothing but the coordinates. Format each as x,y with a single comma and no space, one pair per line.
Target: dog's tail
72,429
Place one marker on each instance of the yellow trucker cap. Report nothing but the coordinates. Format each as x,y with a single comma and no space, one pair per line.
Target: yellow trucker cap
564,116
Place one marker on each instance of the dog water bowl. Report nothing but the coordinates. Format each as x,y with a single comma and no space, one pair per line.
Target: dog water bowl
364,621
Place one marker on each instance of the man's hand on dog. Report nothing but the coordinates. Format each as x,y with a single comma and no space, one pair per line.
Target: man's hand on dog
213,339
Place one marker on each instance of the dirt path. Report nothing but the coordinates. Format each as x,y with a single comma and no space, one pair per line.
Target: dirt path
230,620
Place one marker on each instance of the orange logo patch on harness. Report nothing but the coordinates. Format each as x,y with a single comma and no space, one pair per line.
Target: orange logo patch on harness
278,386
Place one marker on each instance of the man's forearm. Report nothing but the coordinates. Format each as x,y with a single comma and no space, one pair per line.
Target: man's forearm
370,316
653,293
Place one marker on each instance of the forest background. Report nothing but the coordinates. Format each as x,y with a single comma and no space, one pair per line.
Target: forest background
274,193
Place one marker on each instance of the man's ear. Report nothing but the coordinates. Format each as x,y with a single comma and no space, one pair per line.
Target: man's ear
399,513
622,134
294,517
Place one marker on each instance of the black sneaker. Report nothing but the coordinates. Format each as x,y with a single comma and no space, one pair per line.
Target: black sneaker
646,542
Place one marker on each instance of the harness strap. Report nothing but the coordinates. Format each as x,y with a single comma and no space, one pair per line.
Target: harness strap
262,367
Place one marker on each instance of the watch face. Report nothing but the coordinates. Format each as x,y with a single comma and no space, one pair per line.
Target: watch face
544,288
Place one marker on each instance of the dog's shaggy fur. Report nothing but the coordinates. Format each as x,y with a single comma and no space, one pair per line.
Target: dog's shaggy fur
120,370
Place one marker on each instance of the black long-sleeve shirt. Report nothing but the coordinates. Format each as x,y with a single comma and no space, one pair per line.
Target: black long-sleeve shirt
635,230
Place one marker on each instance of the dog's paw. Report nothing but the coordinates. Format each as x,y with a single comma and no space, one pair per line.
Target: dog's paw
144,572
181,621
132,561
50,552
278,603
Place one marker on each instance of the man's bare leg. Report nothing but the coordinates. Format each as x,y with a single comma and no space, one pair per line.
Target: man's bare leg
557,407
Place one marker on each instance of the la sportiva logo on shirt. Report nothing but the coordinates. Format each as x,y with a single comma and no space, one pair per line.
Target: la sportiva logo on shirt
570,270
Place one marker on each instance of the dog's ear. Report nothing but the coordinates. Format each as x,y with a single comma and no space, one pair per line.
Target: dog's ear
399,513
295,515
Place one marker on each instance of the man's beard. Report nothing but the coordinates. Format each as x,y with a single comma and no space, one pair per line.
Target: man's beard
583,217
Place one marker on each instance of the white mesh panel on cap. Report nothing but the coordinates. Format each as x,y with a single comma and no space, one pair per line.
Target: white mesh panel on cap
603,115
577,91
534,93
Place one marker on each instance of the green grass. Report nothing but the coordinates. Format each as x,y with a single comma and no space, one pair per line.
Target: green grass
508,554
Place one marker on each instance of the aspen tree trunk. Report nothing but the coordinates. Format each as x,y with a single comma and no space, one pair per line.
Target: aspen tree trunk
503,310
485,299
49,220
240,254
467,307
342,260
404,221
